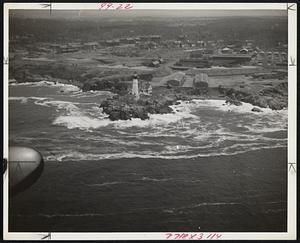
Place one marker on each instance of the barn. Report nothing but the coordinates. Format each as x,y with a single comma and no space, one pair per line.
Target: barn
174,80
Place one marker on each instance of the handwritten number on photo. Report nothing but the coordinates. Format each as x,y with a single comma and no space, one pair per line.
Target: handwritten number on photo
120,6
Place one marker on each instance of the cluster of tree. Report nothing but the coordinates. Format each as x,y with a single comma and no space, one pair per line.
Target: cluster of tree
113,86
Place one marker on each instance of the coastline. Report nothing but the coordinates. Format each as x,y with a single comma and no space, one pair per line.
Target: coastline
124,107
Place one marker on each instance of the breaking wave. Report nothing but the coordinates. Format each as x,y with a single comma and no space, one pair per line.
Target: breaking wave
244,108
105,184
70,89
43,83
26,99
91,119
78,156
187,133
197,128
77,118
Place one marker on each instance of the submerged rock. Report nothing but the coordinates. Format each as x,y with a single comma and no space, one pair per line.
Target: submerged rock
233,102
255,109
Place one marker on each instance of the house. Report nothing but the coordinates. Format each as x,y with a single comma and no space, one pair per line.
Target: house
154,64
75,45
155,38
220,42
178,43
151,63
244,51
209,51
152,45
144,38
161,60
67,49
112,42
230,59
200,43
283,56
194,62
226,50
127,41
249,43
90,46
55,46
211,43
182,37
146,88
197,53
174,80
201,81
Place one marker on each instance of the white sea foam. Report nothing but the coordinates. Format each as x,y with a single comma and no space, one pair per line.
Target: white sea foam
64,87
145,178
25,99
58,158
187,133
202,138
92,93
67,88
263,129
266,121
205,140
105,184
83,121
22,84
120,141
243,108
74,117
86,122
78,156
66,106
154,120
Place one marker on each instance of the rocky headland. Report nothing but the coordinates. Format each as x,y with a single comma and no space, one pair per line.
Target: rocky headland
275,97
126,107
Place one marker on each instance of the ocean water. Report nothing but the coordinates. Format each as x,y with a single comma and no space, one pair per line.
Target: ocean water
207,166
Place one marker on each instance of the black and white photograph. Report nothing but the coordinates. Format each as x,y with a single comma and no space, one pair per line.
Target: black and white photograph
148,120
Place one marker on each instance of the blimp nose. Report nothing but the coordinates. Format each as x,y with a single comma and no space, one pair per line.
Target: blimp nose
25,167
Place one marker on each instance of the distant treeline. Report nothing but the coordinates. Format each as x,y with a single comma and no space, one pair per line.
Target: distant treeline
266,31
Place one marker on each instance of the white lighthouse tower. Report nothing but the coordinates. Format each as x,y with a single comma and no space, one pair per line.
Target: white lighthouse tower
135,87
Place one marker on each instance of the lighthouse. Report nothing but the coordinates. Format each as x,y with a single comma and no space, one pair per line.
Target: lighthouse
135,86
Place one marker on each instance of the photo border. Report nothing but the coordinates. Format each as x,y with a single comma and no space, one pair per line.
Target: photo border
291,8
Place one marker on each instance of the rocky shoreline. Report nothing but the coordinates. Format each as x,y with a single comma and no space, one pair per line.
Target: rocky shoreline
275,98
126,108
